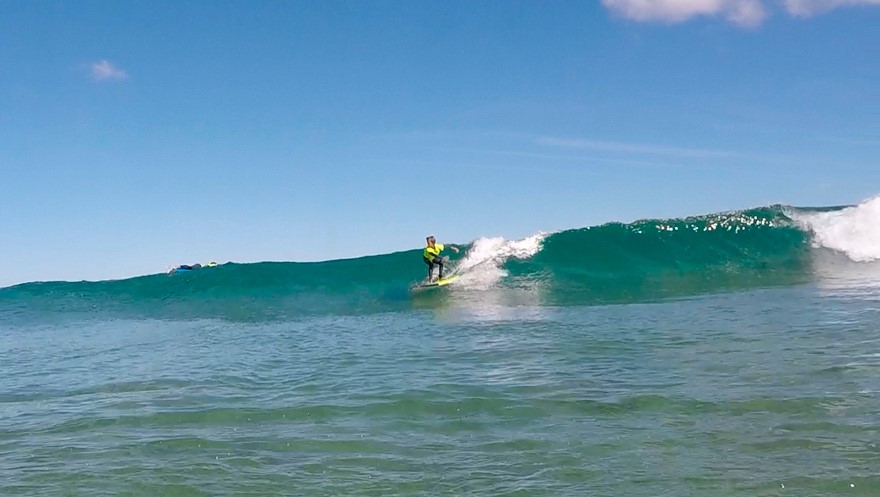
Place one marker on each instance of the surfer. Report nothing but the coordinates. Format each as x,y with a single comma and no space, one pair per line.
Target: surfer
432,257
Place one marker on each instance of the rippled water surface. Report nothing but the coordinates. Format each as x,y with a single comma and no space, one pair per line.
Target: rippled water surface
764,392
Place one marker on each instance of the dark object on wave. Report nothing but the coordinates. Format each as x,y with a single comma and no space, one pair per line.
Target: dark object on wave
184,268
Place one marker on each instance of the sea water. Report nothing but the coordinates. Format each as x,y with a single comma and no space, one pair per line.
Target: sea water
733,354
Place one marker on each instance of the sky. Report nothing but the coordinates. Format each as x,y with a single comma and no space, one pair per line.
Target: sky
138,135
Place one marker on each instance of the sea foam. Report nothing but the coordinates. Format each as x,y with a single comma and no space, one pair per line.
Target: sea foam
853,231
482,265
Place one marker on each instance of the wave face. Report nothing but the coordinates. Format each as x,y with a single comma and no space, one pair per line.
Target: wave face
612,263
663,258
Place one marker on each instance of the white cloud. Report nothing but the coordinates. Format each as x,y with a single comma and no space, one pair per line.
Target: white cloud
748,13
742,12
104,70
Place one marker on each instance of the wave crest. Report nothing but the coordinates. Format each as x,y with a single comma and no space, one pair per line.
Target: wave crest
853,231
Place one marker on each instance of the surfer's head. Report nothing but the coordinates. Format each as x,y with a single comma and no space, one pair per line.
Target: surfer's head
430,239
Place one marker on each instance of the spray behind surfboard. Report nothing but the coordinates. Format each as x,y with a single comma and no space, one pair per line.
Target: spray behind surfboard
482,265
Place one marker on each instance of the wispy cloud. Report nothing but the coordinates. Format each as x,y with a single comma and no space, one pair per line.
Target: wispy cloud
103,71
747,13
806,8
635,148
743,12
664,155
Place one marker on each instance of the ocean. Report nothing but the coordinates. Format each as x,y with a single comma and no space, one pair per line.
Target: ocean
729,354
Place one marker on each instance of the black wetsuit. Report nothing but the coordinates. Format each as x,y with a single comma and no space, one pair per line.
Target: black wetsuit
438,261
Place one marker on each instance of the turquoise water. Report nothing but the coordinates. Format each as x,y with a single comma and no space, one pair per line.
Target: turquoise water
641,360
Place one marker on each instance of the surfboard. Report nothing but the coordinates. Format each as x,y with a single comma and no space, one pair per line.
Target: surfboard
441,282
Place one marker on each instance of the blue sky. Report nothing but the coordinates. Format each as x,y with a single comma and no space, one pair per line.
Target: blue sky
137,135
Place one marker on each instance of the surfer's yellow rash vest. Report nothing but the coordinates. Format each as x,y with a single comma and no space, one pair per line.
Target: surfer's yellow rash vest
432,252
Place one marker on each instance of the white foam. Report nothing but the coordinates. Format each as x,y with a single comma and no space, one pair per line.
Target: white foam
854,231
481,267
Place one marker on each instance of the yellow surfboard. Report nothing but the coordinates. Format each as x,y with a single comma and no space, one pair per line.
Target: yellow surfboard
441,282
